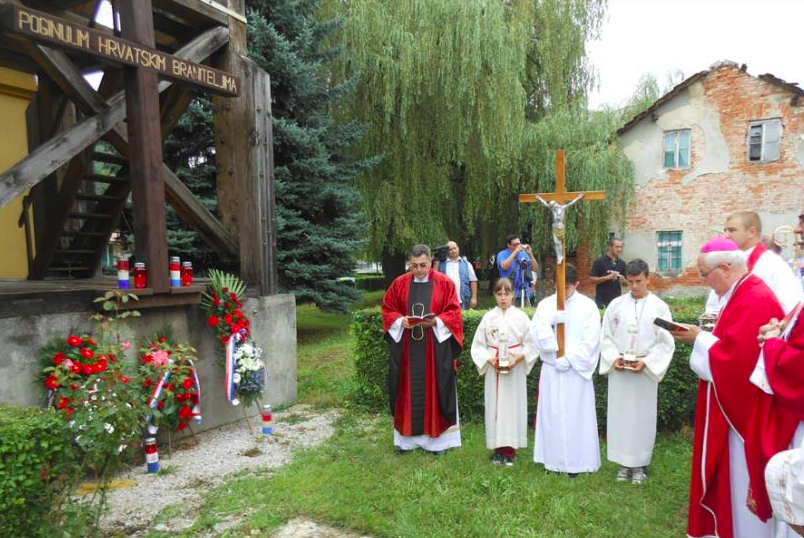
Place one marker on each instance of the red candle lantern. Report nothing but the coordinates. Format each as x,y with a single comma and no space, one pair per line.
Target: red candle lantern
175,269
186,273
140,275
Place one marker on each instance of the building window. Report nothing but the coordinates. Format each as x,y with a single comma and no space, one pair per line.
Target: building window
669,250
677,148
763,140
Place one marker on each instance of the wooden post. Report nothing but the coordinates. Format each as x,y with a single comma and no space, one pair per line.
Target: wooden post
244,154
561,196
145,149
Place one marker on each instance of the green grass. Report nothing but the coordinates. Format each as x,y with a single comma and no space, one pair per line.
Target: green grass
324,353
356,481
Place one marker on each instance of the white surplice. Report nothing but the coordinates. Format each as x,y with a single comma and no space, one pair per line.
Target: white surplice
566,437
633,397
779,277
506,396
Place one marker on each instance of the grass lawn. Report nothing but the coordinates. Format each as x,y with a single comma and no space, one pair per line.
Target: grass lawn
355,480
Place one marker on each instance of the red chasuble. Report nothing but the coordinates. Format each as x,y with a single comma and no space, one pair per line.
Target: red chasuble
439,406
775,417
729,400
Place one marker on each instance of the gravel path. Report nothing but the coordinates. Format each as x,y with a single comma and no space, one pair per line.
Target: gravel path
219,454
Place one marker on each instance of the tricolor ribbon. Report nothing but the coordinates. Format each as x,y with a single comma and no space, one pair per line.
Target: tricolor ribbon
197,407
154,401
228,378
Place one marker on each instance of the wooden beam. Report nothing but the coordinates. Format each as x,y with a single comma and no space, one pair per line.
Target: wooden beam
145,150
258,219
193,11
57,151
173,105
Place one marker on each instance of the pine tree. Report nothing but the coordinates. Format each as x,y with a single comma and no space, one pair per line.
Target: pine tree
189,152
321,227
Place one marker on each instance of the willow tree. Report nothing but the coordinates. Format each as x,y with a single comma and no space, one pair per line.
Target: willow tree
451,90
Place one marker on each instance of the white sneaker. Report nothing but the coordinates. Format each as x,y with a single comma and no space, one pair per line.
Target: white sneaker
622,474
638,476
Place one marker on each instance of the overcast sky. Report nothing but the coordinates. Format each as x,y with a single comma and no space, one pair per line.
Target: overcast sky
662,36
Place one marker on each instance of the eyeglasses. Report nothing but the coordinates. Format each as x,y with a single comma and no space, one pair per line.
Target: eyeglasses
419,265
706,274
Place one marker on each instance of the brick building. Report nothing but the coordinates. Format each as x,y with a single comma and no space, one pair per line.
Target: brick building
720,141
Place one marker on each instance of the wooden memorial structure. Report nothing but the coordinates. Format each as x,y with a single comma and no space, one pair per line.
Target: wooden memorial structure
561,196
158,54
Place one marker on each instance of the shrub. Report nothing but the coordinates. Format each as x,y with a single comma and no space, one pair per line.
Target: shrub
677,392
37,464
370,281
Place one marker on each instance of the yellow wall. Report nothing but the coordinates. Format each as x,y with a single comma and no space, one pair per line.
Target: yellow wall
16,91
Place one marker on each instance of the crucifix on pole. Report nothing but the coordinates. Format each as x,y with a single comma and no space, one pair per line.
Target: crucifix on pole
558,202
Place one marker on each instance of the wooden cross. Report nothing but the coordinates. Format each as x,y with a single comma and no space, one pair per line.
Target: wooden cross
561,196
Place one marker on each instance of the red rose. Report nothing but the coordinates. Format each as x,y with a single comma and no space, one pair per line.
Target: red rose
76,368
146,359
224,339
216,302
225,289
168,386
160,405
238,313
88,369
112,358
90,341
162,339
70,411
148,382
228,319
63,403
181,426
214,295
58,358
226,306
124,379
213,321
87,353
101,365
235,329
73,340
187,383
233,296
52,382
185,412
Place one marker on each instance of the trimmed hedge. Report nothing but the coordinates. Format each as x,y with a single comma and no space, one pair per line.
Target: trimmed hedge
370,281
36,464
677,392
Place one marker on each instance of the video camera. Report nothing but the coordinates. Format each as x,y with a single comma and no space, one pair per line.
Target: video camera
439,253
524,265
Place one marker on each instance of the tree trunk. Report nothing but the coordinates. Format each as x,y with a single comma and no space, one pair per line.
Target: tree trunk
393,265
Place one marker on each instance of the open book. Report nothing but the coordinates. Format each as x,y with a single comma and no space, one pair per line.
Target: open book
418,320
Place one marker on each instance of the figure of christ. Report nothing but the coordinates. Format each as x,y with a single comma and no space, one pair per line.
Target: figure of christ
559,231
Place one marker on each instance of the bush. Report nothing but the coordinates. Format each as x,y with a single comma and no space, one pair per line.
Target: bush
677,392
370,282
37,464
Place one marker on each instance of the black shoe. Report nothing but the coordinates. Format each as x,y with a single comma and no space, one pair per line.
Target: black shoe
572,475
497,459
509,461
439,452
399,451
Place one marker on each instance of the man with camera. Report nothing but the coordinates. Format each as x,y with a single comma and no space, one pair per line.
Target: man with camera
461,272
516,263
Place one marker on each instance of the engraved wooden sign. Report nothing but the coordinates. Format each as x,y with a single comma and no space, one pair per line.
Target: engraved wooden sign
66,34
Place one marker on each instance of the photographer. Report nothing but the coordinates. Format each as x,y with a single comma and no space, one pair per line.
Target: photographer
516,263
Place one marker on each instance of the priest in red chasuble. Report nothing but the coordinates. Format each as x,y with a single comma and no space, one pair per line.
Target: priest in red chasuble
421,316
726,463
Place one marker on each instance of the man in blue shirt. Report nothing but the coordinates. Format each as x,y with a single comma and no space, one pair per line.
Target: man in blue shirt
516,262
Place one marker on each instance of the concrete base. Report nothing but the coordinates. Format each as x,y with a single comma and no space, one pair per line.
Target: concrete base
273,325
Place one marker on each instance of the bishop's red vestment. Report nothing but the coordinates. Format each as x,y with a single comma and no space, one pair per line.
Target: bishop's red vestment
729,401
